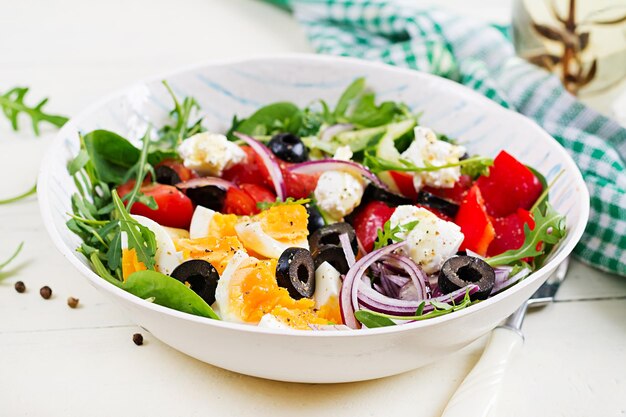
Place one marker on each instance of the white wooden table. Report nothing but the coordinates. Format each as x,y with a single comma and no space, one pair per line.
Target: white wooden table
55,361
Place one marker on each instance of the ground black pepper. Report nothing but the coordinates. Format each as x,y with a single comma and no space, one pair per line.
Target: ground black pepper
138,339
45,292
20,287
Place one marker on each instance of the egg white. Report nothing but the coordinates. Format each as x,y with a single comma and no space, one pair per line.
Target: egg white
166,257
253,237
222,300
327,284
200,222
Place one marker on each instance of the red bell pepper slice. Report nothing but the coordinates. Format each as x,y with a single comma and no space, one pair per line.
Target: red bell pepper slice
510,231
475,223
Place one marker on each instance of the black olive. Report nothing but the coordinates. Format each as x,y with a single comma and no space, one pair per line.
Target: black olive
329,235
288,147
460,271
166,175
374,193
201,276
332,254
440,204
295,271
464,157
209,196
316,220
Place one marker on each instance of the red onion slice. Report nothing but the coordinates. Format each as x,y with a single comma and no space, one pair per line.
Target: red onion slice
332,131
344,239
323,165
204,182
270,163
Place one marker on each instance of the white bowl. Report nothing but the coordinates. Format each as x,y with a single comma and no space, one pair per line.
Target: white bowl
224,89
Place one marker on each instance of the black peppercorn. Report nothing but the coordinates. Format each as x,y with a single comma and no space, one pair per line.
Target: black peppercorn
20,287
138,339
72,302
46,292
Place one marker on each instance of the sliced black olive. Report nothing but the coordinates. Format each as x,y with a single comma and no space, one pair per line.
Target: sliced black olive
373,193
316,220
329,235
201,276
208,196
288,147
295,271
332,254
460,271
166,175
442,205
464,157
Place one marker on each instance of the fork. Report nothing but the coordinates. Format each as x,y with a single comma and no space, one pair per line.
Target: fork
478,393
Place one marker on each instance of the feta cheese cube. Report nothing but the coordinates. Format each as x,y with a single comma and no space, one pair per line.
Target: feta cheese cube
210,153
431,241
426,150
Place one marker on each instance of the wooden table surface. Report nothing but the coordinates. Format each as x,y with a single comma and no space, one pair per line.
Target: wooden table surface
57,361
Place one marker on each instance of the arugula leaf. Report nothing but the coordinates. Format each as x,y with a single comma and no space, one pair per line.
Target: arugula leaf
549,228
350,93
477,168
140,169
8,261
170,136
20,197
377,165
270,119
264,205
12,104
168,292
387,235
372,320
139,237
111,155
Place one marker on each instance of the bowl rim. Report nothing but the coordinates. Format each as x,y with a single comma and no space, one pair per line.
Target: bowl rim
69,253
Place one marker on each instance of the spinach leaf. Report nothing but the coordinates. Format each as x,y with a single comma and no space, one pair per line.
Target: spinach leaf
273,118
367,114
112,155
372,320
351,93
168,292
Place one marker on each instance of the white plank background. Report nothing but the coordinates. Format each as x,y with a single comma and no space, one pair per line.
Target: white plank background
55,361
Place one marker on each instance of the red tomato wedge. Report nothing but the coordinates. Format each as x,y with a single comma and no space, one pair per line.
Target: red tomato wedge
475,223
299,185
457,193
510,231
509,186
404,182
259,194
174,208
369,220
239,202
250,171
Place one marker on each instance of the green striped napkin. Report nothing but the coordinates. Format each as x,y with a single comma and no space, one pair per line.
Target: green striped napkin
482,58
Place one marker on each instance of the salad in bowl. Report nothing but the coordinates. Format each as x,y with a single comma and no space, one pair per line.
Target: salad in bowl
331,216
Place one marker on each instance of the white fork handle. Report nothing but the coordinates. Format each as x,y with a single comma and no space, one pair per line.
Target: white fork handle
477,395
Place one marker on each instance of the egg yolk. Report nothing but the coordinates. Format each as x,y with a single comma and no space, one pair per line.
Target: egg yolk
330,311
215,250
223,225
253,292
286,223
130,263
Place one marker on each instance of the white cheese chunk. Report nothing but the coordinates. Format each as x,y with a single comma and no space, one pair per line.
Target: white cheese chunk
269,321
432,241
210,153
338,193
426,150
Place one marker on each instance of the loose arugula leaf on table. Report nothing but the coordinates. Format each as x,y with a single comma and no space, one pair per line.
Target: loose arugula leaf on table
387,235
12,104
12,257
168,292
372,319
549,230
22,196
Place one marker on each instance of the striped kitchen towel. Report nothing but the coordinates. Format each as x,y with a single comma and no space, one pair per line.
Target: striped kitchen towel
482,57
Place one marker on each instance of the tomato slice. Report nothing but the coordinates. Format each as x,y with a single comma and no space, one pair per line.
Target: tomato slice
509,186
368,220
174,208
250,171
239,202
259,194
404,182
299,185
457,193
510,231
475,223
